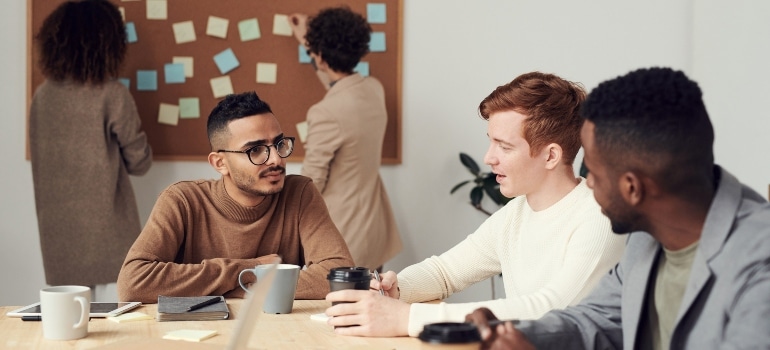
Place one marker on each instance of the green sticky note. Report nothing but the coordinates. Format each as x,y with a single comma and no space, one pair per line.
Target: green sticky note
189,107
249,29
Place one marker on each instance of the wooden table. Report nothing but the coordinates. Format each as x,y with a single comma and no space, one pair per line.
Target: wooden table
291,331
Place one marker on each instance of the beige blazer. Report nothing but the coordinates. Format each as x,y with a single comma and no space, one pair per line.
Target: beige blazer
342,155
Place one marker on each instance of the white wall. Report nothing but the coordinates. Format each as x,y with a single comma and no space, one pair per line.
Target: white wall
455,53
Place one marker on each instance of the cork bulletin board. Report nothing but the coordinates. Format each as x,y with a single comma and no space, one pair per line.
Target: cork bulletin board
288,83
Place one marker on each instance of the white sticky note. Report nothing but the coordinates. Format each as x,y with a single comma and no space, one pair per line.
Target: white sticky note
302,132
122,13
217,27
267,73
221,86
157,9
189,107
184,32
130,317
319,317
195,335
187,61
281,25
168,114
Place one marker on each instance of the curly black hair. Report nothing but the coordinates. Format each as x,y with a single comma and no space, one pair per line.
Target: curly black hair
82,40
653,120
232,107
340,36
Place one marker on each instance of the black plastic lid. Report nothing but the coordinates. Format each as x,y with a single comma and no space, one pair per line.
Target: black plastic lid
349,274
450,333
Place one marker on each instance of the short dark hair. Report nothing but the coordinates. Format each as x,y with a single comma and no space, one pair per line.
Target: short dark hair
232,107
551,105
341,36
82,40
654,121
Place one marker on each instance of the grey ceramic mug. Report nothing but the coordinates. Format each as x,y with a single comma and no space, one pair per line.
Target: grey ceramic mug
280,297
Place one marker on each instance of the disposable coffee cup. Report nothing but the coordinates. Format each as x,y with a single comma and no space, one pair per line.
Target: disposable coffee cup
349,278
450,335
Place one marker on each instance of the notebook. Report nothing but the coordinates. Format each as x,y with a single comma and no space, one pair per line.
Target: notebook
175,309
248,315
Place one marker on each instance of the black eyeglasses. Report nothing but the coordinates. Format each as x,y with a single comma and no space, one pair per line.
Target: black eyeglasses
259,154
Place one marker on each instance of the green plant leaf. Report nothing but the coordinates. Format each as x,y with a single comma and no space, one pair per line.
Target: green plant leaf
476,195
458,186
470,164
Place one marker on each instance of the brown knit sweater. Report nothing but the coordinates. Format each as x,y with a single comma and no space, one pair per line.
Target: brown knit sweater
198,239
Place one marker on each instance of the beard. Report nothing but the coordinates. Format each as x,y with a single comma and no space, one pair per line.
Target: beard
249,184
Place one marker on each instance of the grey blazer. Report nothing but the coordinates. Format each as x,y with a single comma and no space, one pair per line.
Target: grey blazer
725,306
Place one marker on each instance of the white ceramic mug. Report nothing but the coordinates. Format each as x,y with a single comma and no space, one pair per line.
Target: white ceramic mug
280,297
65,312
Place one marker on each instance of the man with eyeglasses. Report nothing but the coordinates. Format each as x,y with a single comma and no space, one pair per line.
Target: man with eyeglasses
202,233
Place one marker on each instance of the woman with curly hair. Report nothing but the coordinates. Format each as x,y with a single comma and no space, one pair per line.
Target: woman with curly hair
85,140
345,133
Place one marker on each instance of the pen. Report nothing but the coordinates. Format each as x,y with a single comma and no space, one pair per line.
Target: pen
197,306
31,318
377,277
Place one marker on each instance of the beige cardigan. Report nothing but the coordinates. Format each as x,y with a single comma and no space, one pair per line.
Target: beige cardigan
342,155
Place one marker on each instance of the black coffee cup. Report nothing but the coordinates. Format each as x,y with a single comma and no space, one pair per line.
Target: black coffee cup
348,278
450,335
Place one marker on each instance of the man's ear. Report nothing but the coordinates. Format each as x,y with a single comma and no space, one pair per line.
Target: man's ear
552,153
218,162
631,188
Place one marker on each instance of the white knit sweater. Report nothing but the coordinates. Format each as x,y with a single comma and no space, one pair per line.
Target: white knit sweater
549,259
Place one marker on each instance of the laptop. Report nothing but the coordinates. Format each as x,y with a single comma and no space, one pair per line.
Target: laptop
248,315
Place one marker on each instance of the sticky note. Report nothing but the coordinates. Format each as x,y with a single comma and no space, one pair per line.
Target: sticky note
302,131
130,317
303,56
187,61
189,107
362,68
174,73
184,32
267,73
157,9
319,317
122,13
377,42
281,25
147,80
221,86
126,82
249,29
131,32
226,61
217,27
195,335
168,114
376,13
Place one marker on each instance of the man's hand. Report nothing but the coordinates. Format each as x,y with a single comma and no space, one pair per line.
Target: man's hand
298,23
367,313
504,336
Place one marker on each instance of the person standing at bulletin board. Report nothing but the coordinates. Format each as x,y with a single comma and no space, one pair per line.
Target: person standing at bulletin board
345,132
85,140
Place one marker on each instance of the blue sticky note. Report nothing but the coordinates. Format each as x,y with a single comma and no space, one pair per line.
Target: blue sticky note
174,73
377,42
303,56
147,80
226,61
375,13
362,68
126,82
131,32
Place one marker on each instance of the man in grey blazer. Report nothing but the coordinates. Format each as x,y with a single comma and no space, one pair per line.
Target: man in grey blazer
696,272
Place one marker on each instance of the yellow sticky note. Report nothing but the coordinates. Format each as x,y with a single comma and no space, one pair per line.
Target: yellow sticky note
281,25
190,334
267,73
130,317
302,131
221,86
184,32
168,114
157,9
187,61
122,13
217,27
